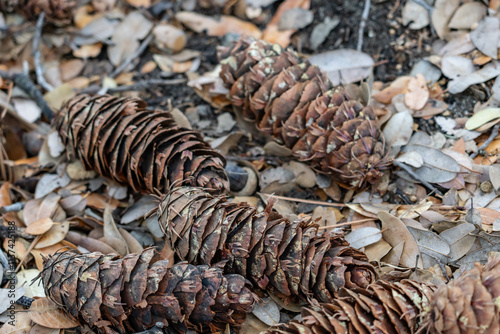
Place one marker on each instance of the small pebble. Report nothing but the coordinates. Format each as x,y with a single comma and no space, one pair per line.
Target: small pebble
486,187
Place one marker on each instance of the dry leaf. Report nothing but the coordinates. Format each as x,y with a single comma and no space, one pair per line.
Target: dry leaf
267,311
89,244
344,66
378,250
363,237
467,15
200,23
88,51
441,15
46,313
396,232
272,34
489,71
54,235
417,94
125,39
36,209
396,87
483,117
415,15
40,226
454,67
112,236
485,37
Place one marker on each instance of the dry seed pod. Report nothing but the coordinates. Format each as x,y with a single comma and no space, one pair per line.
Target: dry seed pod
294,101
121,139
467,305
290,258
109,294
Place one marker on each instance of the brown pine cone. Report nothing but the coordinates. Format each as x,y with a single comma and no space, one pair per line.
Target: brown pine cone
382,308
296,103
121,139
109,294
56,11
290,258
467,305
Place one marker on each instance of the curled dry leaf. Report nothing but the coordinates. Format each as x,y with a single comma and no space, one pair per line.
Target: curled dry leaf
54,235
396,87
46,313
37,209
395,232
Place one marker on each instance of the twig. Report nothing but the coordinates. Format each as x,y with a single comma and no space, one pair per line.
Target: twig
36,54
415,176
133,56
12,208
139,85
362,24
347,223
24,82
308,201
494,133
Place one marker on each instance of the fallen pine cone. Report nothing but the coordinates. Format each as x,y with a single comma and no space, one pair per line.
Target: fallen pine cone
120,139
296,103
56,11
290,258
109,294
467,305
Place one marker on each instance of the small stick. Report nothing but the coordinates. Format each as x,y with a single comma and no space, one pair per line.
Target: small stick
16,207
362,24
494,133
139,85
133,56
415,176
308,201
347,223
36,54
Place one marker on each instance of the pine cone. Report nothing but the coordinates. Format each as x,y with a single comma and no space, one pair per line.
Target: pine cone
122,140
382,308
110,294
467,305
296,103
290,258
56,11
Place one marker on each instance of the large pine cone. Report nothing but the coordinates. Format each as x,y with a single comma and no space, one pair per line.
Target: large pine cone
296,103
121,139
290,258
110,294
467,305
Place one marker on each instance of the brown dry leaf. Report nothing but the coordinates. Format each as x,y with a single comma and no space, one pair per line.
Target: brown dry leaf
396,87
88,51
199,23
5,200
395,232
39,329
46,313
83,16
253,325
139,3
99,201
417,94
70,69
90,244
488,216
56,234
125,39
22,325
40,226
20,249
133,245
378,250
272,33
394,255
112,236
36,209
59,95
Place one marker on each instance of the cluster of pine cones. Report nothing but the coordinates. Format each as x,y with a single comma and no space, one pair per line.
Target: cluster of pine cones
231,253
